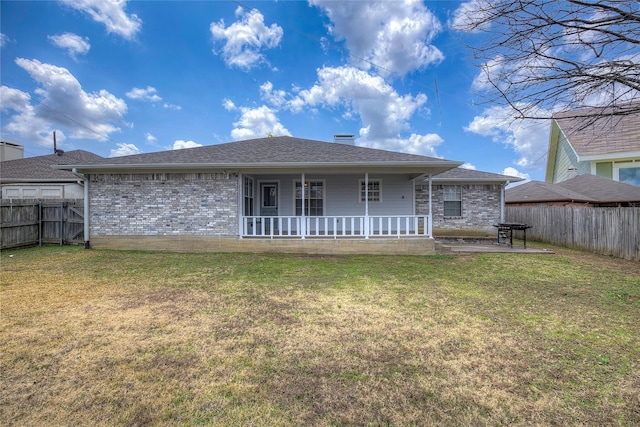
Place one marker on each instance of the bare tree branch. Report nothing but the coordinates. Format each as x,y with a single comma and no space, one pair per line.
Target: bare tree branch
550,55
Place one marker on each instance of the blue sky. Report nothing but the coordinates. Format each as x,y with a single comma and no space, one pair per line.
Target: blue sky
118,78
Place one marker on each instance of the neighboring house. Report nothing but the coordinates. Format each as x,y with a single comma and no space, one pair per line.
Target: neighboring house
34,178
464,201
608,146
10,150
581,191
270,194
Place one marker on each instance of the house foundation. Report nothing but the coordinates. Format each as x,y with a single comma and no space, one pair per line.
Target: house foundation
320,246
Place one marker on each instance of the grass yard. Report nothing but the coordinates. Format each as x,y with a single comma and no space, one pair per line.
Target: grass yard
110,337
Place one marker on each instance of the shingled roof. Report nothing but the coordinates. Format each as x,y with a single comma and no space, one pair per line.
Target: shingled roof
608,133
277,152
38,169
585,188
471,175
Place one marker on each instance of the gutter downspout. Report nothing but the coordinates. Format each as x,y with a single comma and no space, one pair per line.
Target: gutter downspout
86,206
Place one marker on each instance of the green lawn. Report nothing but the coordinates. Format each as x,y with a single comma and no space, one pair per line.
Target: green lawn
114,337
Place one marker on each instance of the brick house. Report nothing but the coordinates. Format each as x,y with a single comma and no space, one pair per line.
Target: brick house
283,194
464,201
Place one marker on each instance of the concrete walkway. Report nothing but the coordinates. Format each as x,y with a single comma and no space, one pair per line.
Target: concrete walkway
472,245
460,248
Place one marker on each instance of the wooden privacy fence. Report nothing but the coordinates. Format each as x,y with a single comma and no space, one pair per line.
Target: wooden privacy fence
39,222
606,231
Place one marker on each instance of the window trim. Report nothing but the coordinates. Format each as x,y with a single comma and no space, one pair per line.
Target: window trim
249,197
307,193
361,193
444,201
631,164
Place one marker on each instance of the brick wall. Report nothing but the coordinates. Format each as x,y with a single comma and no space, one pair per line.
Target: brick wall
480,207
164,204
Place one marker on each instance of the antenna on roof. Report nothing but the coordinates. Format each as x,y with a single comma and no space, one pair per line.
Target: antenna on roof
55,147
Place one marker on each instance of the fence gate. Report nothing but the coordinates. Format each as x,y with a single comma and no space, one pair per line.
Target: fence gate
39,222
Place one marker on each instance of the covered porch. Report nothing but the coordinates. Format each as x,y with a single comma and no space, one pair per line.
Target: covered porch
334,206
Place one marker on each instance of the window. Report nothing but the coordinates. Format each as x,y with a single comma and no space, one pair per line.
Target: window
269,195
374,192
248,196
452,200
630,176
313,198
627,172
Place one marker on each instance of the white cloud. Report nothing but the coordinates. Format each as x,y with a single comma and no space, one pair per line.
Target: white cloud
245,39
257,123
468,14
515,172
4,39
172,106
383,112
424,145
228,104
65,104
529,137
124,150
276,98
468,166
111,13
150,138
180,144
147,94
380,107
73,43
25,122
393,36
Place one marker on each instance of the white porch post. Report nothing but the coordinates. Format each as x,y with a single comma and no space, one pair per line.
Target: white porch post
86,212
366,205
430,221
240,203
303,224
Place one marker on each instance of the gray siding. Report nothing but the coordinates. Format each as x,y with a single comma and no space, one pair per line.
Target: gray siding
164,204
342,194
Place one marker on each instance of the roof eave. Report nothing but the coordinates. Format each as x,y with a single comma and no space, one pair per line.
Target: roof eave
40,181
487,180
443,165
610,156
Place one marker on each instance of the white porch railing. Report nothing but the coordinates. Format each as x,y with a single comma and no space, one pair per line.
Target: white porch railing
336,226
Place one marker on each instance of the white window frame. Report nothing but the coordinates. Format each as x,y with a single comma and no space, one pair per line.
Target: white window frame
246,197
307,194
623,165
370,192
445,200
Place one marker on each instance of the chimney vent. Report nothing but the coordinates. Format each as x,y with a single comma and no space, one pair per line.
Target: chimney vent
344,138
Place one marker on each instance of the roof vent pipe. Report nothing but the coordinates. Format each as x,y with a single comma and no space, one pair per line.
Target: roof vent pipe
344,138
55,146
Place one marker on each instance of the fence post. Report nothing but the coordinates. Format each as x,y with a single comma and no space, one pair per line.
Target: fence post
39,223
61,223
